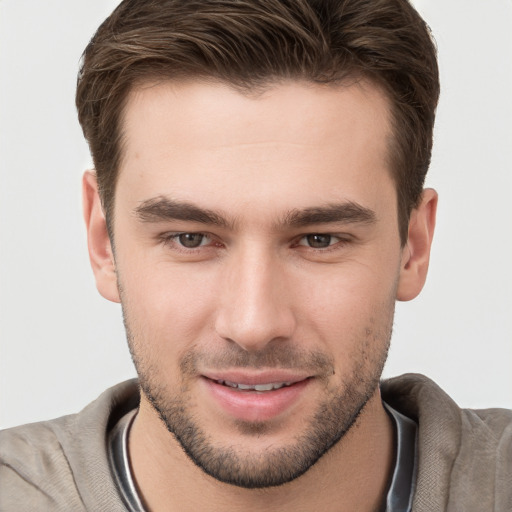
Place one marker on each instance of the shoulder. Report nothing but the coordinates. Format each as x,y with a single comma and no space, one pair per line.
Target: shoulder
485,456
62,464
425,402
464,455
34,470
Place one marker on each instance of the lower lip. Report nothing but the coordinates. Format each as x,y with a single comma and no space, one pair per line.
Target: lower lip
254,406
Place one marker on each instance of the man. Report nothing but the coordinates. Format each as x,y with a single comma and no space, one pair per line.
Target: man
257,207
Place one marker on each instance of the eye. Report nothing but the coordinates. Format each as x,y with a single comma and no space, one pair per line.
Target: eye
189,245
318,240
192,240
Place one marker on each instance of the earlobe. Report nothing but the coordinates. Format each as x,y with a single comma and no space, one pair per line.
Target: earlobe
416,252
98,242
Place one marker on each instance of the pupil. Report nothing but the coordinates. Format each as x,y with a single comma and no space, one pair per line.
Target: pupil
191,240
319,241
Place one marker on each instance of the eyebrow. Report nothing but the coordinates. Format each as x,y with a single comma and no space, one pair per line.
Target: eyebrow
162,209
346,212
165,209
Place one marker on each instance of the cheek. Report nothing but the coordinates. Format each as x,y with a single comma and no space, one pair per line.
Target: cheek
166,307
349,294
352,311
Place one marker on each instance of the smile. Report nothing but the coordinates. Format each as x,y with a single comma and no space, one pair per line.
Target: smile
254,387
256,397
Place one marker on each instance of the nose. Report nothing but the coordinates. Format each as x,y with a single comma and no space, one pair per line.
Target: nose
254,307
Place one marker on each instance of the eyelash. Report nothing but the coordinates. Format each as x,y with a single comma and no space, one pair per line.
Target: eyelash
173,238
339,242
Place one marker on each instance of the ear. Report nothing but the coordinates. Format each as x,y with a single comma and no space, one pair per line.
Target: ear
101,254
416,252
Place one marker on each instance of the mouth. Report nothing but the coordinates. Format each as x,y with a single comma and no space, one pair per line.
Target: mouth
253,397
261,388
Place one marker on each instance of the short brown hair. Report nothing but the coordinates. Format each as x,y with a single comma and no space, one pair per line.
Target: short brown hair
252,43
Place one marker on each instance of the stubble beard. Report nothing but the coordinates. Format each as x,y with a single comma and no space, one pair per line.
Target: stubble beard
335,415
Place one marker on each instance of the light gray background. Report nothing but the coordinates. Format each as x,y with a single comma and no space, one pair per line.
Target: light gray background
61,344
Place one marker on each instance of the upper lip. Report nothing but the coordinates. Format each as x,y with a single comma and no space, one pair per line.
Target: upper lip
254,377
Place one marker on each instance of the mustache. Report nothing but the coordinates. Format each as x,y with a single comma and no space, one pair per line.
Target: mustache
275,356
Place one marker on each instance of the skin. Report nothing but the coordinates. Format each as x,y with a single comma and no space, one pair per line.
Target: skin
255,289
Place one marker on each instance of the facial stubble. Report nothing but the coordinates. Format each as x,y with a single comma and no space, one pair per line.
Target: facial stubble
335,415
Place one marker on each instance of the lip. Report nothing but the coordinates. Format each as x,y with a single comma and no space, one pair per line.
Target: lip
252,378
255,406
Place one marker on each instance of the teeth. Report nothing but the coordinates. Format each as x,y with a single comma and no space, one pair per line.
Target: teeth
264,387
255,387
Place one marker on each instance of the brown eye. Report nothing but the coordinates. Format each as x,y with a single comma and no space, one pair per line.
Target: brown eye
191,240
318,241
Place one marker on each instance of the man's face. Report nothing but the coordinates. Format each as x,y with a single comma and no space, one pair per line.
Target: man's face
258,256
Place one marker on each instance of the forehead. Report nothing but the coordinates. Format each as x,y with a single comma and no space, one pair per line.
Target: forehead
293,142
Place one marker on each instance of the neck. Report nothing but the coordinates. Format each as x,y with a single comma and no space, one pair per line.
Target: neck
353,475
